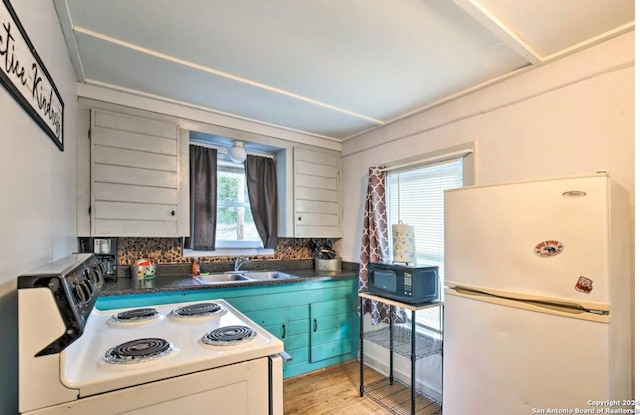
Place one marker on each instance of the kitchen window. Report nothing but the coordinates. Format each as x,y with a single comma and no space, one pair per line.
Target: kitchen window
223,206
415,196
235,226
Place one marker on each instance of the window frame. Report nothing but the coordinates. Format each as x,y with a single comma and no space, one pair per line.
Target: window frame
467,154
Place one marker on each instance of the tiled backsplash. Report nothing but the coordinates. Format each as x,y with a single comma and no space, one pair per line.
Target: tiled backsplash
169,251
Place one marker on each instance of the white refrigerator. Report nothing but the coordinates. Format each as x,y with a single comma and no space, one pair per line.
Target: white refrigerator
538,297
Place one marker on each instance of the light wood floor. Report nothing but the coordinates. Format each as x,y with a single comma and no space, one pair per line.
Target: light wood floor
335,390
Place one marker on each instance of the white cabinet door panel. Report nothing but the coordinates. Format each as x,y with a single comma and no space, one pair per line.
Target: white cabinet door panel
130,123
307,193
317,202
316,169
135,194
317,219
315,182
317,157
130,175
135,141
121,210
138,176
315,206
131,158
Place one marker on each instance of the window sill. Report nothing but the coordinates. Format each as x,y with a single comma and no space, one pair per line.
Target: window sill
227,252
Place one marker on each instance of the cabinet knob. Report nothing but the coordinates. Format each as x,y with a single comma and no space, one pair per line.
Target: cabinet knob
315,325
299,217
284,331
173,213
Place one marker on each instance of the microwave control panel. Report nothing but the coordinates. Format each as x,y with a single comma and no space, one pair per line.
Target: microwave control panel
408,289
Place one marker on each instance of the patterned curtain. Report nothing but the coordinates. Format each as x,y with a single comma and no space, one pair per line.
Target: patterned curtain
375,242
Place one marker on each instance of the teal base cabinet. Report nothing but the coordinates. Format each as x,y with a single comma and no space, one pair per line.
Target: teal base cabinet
330,329
316,320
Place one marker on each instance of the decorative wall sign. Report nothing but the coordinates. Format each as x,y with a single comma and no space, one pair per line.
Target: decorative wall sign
548,248
26,78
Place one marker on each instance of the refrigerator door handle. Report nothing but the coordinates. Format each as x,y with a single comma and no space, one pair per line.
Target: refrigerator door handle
553,306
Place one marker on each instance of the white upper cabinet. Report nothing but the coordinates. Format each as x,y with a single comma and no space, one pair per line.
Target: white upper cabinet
139,176
316,193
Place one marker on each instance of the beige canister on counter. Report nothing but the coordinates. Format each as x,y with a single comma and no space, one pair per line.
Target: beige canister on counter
143,269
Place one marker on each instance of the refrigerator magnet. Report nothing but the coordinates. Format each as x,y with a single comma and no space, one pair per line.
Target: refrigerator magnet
547,249
584,285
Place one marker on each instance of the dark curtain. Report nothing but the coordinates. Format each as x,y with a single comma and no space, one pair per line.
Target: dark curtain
203,186
375,243
263,197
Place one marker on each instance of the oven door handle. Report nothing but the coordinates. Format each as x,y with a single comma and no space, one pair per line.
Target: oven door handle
285,356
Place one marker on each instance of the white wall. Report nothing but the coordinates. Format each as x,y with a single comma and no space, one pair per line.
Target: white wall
37,186
573,116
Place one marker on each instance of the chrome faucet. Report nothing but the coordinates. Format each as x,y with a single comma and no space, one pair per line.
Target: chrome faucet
237,263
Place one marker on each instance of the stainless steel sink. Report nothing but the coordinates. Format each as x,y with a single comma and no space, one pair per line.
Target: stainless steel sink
243,276
268,275
221,278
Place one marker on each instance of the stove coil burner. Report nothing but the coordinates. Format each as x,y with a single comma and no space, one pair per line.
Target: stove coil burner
135,315
198,310
137,351
229,336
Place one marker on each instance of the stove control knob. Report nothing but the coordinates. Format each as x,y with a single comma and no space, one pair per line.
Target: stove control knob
85,275
88,288
77,293
95,273
82,291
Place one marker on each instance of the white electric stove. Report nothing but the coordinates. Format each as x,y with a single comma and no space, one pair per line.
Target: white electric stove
193,357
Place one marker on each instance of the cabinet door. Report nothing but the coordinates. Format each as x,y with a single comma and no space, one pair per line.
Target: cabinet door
273,320
136,176
317,200
330,329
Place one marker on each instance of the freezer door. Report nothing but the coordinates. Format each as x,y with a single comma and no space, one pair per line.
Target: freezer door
503,361
544,238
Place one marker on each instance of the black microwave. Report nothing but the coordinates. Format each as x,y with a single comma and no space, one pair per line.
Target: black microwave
407,284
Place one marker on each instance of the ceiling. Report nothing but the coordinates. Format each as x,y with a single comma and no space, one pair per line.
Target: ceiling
327,68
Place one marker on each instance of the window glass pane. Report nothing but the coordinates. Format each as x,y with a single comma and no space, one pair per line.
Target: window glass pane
416,198
228,186
234,221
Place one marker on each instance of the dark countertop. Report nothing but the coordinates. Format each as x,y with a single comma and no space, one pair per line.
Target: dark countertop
166,281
